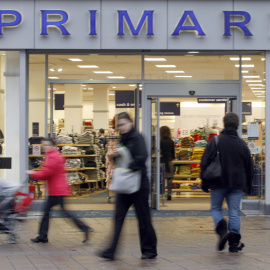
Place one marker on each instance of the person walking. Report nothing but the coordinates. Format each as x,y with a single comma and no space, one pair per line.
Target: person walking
236,177
167,156
135,143
53,170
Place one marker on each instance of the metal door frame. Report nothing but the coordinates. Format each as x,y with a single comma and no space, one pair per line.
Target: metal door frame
203,89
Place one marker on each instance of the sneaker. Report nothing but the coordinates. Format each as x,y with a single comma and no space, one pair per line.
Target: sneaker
38,239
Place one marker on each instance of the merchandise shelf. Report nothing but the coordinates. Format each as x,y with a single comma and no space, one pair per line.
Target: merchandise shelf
69,170
186,176
176,162
187,181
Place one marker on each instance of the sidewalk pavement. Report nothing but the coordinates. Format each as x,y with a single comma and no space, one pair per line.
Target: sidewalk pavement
183,243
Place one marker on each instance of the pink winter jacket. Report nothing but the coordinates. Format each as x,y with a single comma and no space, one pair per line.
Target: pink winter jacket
53,170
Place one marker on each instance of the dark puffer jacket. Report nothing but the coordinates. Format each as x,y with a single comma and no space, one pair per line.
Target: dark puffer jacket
236,162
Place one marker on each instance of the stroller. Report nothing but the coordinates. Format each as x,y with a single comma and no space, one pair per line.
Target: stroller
13,204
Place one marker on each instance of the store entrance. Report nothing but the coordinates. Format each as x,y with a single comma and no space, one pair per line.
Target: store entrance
190,121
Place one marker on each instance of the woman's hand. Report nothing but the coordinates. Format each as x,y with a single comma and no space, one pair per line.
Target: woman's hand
29,172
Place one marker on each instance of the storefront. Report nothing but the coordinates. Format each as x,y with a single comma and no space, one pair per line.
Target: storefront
65,67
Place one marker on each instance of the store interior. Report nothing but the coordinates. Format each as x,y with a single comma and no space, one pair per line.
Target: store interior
78,108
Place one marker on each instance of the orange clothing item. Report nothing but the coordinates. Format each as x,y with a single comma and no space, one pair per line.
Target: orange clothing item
53,170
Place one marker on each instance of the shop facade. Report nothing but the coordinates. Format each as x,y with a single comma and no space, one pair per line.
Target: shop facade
96,52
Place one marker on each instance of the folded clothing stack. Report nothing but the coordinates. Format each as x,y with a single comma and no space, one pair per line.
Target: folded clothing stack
185,186
75,177
93,174
73,163
62,139
86,138
70,150
195,186
195,169
201,143
185,169
197,153
187,142
185,154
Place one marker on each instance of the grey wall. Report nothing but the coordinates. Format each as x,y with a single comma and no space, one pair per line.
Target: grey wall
167,14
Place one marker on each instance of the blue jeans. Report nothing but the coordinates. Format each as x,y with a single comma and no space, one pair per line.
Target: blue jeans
233,198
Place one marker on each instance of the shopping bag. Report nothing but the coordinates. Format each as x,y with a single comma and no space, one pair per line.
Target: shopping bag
125,181
213,171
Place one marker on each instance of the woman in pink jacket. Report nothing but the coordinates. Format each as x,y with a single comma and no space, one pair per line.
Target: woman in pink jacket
53,170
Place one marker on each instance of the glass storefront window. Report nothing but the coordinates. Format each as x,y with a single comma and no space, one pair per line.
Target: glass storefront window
95,67
191,67
2,107
253,98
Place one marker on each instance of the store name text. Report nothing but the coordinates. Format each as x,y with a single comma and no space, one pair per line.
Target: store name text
59,19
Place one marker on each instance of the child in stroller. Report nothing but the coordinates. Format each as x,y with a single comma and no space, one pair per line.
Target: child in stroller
13,203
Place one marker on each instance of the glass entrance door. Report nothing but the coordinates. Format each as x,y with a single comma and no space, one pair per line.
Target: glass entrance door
185,115
191,125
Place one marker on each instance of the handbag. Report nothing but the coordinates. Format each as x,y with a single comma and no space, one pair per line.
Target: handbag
125,180
213,171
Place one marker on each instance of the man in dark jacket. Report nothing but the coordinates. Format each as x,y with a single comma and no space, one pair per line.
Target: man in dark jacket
236,177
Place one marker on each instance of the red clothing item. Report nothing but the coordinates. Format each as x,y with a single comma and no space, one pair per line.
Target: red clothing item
53,170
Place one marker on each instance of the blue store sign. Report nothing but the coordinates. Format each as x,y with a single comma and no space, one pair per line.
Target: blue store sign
169,108
125,99
246,108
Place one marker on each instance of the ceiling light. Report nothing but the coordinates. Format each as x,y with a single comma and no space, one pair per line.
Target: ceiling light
75,59
87,66
258,91
253,80
111,94
52,69
166,66
53,89
244,65
261,96
256,88
262,59
53,78
103,72
59,92
132,85
251,76
183,76
193,52
256,84
59,69
84,88
90,88
116,77
244,71
237,58
175,71
155,59
84,85
114,87
3,54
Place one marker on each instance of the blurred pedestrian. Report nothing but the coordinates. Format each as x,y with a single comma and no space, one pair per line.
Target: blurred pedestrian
53,170
135,143
102,139
236,177
167,156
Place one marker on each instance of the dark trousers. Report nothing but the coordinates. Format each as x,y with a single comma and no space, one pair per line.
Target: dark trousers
148,240
51,202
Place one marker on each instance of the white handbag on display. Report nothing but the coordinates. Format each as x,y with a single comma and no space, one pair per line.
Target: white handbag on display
125,180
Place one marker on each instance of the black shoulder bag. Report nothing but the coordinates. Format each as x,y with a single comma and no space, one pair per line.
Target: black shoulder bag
213,171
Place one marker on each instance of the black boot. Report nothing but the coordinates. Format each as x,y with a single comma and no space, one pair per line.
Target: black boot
221,230
234,242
